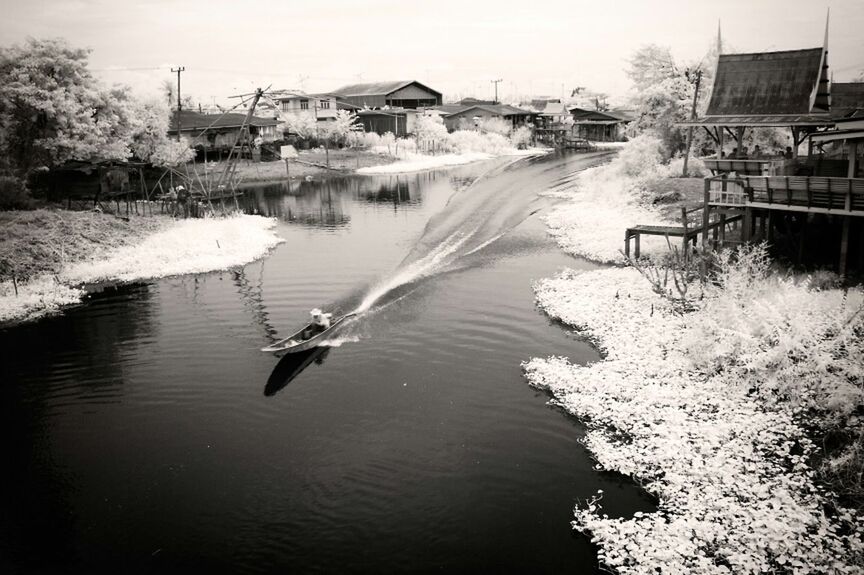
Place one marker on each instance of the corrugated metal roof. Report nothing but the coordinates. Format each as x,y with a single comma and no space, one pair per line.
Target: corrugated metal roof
378,88
847,99
194,121
765,83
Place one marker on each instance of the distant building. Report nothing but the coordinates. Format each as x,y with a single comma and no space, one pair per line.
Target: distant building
458,116
552,114
403,94
398,121
319,106
597,126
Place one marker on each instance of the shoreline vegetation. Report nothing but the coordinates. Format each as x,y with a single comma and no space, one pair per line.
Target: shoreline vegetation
48,256
721,402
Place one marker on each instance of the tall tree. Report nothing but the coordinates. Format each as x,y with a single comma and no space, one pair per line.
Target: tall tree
650,65
53,110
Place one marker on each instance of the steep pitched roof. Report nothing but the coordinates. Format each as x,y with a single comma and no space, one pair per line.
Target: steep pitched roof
847,100
768,83
378,88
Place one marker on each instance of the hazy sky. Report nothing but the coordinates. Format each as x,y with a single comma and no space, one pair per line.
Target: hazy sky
457,47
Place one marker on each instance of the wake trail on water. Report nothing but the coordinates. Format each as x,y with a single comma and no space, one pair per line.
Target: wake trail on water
476,217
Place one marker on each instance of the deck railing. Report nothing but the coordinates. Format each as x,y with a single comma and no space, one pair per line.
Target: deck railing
790,193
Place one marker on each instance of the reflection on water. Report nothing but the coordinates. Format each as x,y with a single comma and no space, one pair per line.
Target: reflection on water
323,203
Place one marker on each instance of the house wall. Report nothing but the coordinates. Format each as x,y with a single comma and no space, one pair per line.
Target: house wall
321,108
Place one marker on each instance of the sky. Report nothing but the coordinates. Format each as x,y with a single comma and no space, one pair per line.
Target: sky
537,47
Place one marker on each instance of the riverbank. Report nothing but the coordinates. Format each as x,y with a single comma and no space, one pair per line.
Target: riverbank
711,403
47,256
342,161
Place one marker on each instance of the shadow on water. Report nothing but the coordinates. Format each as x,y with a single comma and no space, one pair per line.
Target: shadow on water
291,365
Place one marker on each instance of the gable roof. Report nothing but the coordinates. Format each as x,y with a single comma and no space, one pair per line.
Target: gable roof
378,88
194,121
581,115
496,109
847,100
769,83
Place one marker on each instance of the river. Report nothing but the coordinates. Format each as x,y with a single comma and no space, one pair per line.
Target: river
144,432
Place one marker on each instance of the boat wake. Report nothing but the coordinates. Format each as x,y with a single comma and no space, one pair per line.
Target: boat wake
475,218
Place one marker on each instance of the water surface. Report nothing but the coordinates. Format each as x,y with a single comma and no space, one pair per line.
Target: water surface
146,432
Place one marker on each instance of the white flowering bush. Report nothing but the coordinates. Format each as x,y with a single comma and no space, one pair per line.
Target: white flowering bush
708,410
465,141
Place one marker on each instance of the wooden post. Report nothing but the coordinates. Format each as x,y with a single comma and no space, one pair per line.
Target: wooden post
287,169
853,158
706,214
636,251
844,245
795,132
627,243
770,223
690,127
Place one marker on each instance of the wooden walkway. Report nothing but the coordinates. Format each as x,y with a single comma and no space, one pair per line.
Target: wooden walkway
687,232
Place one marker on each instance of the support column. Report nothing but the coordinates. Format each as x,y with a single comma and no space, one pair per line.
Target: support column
844,245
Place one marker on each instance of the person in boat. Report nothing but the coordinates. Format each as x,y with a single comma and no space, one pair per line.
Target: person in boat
320,322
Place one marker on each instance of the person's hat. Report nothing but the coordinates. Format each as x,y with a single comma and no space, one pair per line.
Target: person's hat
315,312
180,187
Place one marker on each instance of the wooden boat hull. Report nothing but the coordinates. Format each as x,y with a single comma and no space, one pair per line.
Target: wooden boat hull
297,343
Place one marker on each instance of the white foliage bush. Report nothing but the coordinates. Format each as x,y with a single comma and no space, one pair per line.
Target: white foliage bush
496,126
465,141
521,137
708,411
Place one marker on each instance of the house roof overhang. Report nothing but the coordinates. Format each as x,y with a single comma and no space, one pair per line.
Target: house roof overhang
764,121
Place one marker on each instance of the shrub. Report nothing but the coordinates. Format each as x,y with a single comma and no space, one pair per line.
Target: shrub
495,126
521,137
14,194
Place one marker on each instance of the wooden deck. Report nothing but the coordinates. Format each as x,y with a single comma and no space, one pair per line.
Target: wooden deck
688,232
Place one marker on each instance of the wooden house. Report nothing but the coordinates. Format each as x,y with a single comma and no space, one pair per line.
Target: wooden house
397,121
597,126
409,94
460,116
217,133
809,207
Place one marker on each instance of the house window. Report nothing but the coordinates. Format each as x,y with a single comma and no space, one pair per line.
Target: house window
325,104
304,104
286,105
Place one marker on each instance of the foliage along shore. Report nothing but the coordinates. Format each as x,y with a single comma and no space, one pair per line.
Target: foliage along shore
46,256
715,407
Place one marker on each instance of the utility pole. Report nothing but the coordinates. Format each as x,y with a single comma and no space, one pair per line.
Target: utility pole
495,101
179,103
690,127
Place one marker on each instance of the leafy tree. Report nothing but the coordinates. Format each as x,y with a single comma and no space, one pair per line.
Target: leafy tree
651,65
660,107
52,109
304,125
150,141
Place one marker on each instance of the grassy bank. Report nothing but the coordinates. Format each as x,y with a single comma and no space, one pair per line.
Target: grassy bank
47,255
